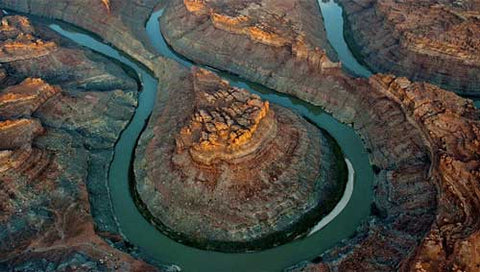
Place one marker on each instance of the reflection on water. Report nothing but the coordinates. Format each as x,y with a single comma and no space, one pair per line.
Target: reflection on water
333,20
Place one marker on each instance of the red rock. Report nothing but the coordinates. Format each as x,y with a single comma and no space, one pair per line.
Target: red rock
245,174
434,41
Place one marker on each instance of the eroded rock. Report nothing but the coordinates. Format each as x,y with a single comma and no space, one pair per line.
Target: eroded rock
239,174
434,41
49,136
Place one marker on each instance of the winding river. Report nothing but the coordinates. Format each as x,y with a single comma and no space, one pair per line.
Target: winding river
340,224
332,14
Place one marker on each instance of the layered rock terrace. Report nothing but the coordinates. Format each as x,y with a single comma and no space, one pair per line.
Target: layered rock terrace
408,128
271,27
52,137
245,174
228,123
434,41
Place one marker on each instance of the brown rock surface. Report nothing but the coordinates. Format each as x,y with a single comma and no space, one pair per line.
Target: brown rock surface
245,175
449,127
405,192
25,98
229,124
50,138
395,118
120,22
435,41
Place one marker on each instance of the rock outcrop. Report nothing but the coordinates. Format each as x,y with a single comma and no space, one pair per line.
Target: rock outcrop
279,32
236,173
120,22
421,201
52,136
433,41
399,122
449,128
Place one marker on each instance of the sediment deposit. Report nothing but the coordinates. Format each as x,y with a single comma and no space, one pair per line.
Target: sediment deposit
221,169
423,140
392,115
433,41
61,112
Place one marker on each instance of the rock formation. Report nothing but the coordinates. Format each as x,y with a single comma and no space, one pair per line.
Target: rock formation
434,41
447,186
121,22
244,174
423,141
52,137
392,115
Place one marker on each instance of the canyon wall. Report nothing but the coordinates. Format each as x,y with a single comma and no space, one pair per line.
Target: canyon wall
245,174
61,112
433,41
409,187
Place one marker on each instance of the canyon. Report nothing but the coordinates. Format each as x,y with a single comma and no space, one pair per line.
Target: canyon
423,141
407,127
237,173
61,110
433,41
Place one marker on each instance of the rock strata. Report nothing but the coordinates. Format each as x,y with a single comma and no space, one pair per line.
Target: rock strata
120,22
412,220
449,127
57,113
407,127
245,174
434,41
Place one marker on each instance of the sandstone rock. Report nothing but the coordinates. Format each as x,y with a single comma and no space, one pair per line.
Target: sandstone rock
434,41
406,157
405,190
245,174
48,141
25,98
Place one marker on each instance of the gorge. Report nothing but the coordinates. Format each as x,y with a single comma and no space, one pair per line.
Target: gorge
421,141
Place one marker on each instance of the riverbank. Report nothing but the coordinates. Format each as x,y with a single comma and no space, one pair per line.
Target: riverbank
289,253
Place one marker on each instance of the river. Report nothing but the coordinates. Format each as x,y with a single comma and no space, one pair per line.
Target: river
354,206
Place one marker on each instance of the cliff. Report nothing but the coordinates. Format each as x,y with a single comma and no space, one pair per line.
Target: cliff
246,175
433,41
390,114
418,193
52,136
446,187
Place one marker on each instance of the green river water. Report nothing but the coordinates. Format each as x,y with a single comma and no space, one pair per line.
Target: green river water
141,233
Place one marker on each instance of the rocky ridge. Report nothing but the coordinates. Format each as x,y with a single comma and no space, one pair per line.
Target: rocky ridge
224,123
375,117
433,41
245,174
52,138
409,194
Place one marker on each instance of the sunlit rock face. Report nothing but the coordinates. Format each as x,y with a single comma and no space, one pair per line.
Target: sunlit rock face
434,41
423,140
61,112
426,209
274,27
18,42
229,124
222,169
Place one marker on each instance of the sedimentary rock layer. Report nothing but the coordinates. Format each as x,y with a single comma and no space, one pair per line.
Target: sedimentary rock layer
221,169
61,112
252,48
120,22
450,128
405,192
434,41
399,122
